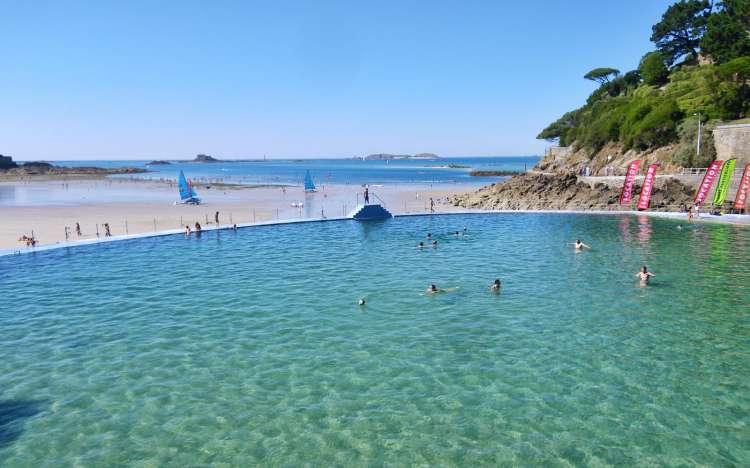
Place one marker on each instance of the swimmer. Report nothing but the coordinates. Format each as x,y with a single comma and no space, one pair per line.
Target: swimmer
679,226
421,245
434,244
187,230
495,287
578,245
434,289
361,302
429,236
644,275
456,234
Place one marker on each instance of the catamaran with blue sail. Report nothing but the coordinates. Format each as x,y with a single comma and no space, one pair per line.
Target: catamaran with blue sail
188,195
309,185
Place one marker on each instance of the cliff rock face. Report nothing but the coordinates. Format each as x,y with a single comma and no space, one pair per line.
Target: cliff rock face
612,156
564,192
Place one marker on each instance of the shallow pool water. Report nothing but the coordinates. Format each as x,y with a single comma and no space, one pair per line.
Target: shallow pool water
248,348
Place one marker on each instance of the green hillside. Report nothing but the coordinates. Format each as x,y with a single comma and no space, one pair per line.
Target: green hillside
701,66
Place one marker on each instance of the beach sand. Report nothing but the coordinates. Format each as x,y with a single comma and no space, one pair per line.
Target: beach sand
46,207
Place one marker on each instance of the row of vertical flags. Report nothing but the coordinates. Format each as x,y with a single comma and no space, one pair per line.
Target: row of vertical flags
720,170
723,171
646,190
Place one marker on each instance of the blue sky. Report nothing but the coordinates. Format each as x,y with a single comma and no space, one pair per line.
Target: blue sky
141,80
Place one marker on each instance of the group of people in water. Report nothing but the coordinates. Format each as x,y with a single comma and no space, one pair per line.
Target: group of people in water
643,275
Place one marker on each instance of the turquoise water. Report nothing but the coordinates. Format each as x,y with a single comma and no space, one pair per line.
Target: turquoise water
332,171
248,348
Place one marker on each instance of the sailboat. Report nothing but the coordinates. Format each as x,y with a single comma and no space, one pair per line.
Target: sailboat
309,185
187,192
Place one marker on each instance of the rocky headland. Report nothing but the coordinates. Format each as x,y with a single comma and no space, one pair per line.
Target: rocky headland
536,191
45,169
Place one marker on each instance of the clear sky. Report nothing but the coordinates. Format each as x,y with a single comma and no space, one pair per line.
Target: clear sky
146,79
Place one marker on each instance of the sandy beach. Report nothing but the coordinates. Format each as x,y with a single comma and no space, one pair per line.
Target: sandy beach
46,207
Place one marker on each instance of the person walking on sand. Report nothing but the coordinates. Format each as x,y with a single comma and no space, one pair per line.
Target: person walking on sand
432,205
107,232
367,195
78,230
644,275
216,218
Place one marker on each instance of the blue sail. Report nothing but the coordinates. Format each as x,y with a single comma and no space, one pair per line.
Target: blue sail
187,192
309,185
185,189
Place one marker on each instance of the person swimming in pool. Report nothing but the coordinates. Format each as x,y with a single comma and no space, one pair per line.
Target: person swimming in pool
578,245
495,287
644,275
433,289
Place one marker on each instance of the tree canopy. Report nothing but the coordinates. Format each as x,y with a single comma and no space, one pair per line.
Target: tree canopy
602,75
653,70
679,32
726,36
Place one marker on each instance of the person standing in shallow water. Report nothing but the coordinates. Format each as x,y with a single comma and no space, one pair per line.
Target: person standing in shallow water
644,275
495,287
578,245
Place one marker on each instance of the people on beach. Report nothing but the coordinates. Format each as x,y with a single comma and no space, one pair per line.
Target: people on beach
578,245
432,205
495,286
29,240
107,232
216,218
644,275
78,230
367,195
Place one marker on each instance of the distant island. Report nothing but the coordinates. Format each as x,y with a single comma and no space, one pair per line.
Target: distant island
204,158
12,170
384,156
159,162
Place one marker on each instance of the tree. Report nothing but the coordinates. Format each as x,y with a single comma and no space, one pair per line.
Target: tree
678,33
652,69
602,75
726,36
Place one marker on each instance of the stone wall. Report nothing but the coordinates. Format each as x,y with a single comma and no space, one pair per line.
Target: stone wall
733,141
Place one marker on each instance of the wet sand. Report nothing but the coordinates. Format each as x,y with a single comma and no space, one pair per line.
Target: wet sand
46,208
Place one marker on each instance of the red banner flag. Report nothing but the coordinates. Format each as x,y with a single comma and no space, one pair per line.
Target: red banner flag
708,181
648,187
627,189
741,200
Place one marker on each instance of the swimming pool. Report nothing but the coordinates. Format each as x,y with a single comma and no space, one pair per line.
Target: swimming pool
249,347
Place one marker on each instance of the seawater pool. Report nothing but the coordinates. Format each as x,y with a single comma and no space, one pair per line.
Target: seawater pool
248,348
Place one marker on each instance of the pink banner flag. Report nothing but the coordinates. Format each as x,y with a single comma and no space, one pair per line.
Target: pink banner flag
627,189
741,200
648,187
708,181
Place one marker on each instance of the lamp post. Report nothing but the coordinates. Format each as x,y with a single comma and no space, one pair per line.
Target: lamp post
698,145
